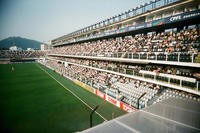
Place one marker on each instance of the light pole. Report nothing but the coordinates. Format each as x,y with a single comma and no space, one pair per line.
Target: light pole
91,113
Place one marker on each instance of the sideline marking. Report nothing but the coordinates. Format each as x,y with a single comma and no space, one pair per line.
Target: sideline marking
72,93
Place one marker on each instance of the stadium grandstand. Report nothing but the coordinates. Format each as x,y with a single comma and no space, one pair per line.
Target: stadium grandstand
20,53
7,56
143,64
138,58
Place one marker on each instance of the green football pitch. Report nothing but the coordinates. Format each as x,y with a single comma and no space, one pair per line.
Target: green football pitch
32,101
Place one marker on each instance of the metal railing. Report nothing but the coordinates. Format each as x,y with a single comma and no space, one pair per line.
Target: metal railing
180,81
166,57
157,56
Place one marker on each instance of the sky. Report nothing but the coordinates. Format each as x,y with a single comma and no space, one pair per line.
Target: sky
45,20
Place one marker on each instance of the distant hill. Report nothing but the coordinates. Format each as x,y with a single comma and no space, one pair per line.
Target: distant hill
19,42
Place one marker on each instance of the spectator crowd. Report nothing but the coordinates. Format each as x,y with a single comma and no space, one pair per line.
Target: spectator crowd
21,54
105,80
109,65
183,46
184,41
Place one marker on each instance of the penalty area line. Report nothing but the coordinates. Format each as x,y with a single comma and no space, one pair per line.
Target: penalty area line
72,93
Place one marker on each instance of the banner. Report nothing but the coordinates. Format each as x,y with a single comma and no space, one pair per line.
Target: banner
49,67
112,32
126,107
70,78
167,20
123,30
100,94
58,72
183,16
88,88
112,100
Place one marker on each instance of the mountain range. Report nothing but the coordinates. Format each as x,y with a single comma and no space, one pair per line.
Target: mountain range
23,43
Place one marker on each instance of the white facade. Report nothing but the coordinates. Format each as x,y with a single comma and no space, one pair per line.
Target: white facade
30,49
15,48
43,47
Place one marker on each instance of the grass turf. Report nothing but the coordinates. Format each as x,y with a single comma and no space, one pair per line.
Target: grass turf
31,101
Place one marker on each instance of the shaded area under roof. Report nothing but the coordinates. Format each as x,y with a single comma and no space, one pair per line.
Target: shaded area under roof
170,116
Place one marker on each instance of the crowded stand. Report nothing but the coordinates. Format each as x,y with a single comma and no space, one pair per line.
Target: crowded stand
161,72
166,69
173,46
108,83
21,54
180,46
141,60
125,89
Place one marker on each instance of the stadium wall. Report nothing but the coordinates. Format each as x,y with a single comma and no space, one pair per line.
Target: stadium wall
95,91
88,88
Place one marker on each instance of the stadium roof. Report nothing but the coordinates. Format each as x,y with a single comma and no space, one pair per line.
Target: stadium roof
170,116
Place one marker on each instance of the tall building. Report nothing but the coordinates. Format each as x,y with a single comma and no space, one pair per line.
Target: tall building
43,47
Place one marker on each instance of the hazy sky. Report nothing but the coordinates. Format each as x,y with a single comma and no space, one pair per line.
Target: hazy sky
44,20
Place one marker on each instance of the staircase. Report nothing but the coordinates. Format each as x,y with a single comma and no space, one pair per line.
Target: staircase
197,58
124,54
